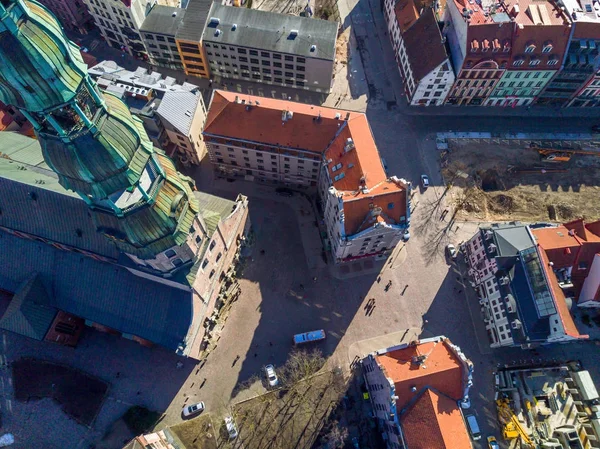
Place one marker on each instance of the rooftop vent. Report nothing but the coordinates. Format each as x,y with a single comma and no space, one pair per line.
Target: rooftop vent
214,21
492,248
217,33
313,48
174,14
338,116
286,115
234,27
418,359
504,280
516,324
488,234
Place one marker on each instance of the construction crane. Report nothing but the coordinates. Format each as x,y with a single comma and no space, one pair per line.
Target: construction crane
512,427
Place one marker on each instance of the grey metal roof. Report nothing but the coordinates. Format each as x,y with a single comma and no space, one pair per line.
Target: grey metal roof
28,313
33,201
214,209
178,108
194,20
161,20
101,292
271,31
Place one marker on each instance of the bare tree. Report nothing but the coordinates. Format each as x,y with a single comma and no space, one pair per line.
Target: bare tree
337,435
300,365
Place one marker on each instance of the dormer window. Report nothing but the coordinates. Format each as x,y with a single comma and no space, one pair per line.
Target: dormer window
518,62
474,46
547,48
553,60
530,47
495,45
486,45
534,61
506,46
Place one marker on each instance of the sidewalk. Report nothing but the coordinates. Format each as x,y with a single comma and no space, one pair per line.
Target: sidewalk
360,349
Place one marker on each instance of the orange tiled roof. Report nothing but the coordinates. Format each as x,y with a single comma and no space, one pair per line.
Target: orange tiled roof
434,421
264,124
559,299
5,120
321,130
561,248
441,370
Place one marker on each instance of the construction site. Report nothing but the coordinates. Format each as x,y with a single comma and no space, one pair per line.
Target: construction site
548,408
528,180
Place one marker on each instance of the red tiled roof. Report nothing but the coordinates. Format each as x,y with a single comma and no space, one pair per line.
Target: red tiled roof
441,370
434,421
559,299
321,130
5,120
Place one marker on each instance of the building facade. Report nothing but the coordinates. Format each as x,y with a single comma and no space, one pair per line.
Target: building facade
189,39
119,22
248,44
72,14
408,397
505,54
428,76
522,300
589,95
330,151
183,115
158,33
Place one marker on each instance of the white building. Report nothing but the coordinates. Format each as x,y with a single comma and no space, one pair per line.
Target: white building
119,21
521,300
311,147
420,52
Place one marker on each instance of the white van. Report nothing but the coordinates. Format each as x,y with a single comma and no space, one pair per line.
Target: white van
473,426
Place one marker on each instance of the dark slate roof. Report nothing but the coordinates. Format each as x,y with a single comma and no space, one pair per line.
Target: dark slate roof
424,33
193,22
271,31
97,291
160,20
33,201
28,313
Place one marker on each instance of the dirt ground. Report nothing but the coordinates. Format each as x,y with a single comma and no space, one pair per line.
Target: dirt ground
341,47
80,394
197,433
493,182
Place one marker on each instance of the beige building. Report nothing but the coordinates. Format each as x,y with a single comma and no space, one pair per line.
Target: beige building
182,115
315,148
189,36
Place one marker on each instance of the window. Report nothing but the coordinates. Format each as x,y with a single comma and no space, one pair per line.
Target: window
177,262
253,61
289,58
338,177
277,64
530,48
204,263
278,80
198,239
267,63
244,67
256,76
243,59
276,56
212,245
241,51
278,72
300,60
255,69
253,53
170,253
300,68
273,156
218,256
265,54
336,167
289,66
390,205
160,38
289,75
212,273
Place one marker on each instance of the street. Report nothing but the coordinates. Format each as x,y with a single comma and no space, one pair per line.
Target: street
287,288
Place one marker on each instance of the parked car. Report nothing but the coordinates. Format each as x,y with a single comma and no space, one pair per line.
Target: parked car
424,181
451,251
406,235
271,376
193,409
231,429
493,443
473,427
284,192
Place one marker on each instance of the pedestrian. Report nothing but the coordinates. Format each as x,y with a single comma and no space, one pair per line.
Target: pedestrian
270,343
118,374
255,354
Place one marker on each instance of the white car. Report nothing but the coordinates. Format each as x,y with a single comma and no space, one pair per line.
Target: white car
231,429
193,409
451,251
271,376
424,181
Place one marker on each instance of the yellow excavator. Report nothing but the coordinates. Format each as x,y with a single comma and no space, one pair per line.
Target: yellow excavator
512,427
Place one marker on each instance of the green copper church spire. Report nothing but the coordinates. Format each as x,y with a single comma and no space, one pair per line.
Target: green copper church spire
91,140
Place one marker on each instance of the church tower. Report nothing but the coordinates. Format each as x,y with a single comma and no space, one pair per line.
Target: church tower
93,143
